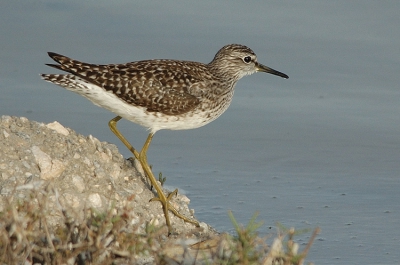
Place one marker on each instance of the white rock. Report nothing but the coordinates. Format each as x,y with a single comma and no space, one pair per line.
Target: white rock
6,118
78,183
184,198
103,156
154,221
43,159
138,190
23,119
204,226
56,126
87,161
94,200
49,169
138,167
26,164
116,170
6,134
4,176
93,140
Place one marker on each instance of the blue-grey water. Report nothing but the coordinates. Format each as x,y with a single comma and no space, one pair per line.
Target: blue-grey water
319,149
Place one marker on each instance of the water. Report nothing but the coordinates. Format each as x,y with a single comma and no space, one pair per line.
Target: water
319,149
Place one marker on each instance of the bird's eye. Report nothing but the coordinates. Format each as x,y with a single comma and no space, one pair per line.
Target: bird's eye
247,59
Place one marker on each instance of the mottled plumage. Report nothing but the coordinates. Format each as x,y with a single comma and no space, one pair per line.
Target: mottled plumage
160,94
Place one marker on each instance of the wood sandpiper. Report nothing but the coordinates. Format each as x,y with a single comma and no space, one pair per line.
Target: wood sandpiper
160,94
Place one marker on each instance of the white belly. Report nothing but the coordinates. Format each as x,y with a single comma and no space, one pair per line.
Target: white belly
154,121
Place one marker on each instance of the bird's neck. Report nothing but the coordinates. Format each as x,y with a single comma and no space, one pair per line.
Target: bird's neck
223,71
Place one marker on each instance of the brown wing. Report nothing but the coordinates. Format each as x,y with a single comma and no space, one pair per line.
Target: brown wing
158,85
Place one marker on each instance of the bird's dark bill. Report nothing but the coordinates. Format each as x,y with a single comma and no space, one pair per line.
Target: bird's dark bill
266,69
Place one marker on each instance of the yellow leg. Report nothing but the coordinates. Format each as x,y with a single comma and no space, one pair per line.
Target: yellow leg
113,127
142,157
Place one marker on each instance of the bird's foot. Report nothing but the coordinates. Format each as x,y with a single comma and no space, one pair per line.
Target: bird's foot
167,206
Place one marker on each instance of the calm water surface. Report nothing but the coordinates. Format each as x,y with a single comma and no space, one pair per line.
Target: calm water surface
320,149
